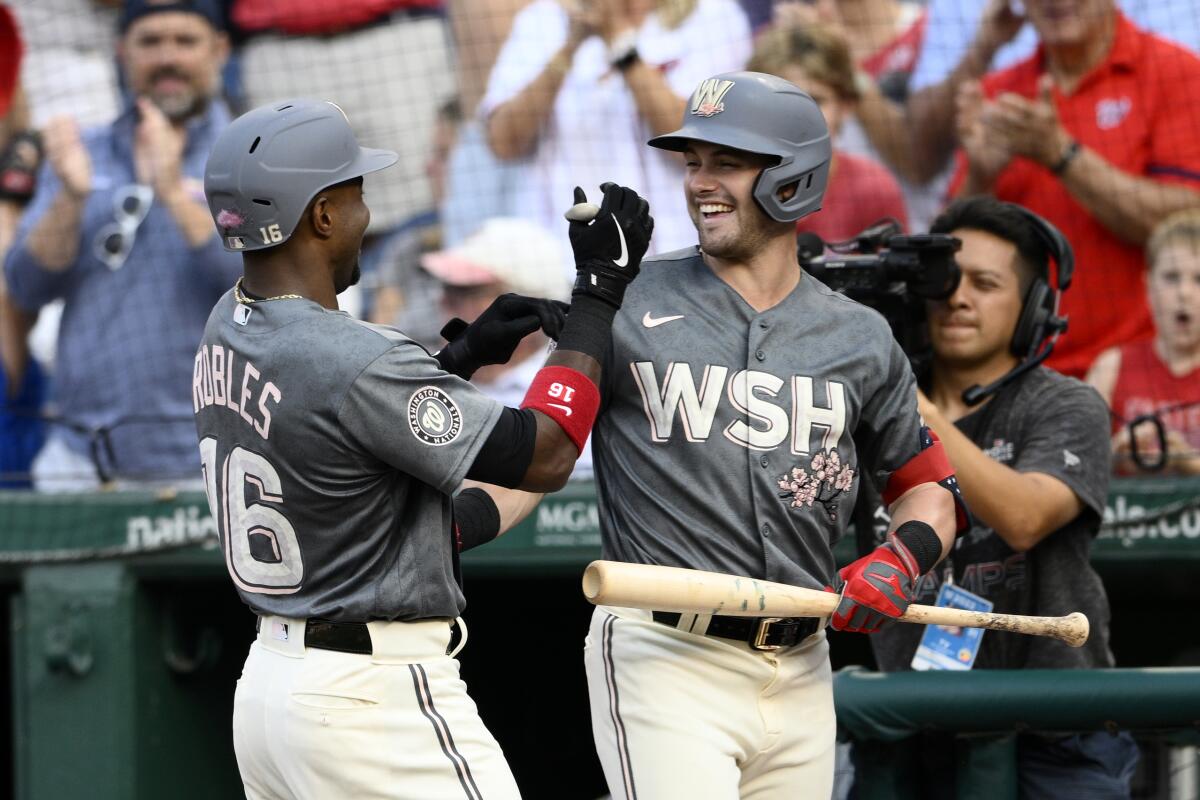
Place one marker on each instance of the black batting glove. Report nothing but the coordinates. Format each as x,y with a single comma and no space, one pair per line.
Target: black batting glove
495,334
609,248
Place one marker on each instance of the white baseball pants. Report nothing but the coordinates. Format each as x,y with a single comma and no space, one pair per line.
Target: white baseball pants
313,724
677,715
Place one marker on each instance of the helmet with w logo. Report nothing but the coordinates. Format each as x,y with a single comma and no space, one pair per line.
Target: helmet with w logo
762,114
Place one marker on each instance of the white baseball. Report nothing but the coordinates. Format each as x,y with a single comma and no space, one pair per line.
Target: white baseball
582,212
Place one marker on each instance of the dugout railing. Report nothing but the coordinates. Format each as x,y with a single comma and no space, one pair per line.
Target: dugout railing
985,710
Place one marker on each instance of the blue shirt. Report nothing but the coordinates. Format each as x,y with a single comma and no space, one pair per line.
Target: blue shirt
129,334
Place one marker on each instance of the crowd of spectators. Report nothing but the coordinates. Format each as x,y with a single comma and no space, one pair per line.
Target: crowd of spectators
498,108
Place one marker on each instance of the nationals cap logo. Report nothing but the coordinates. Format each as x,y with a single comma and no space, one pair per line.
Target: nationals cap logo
433,416
706,102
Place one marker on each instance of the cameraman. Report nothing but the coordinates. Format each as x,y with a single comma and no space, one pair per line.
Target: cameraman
1033,462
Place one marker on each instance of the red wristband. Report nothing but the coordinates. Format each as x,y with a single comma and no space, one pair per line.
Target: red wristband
568,397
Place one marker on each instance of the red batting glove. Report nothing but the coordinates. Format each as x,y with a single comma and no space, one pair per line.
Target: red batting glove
876,588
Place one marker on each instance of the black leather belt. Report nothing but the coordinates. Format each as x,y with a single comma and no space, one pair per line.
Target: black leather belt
349,637
325,634
761,633
343,637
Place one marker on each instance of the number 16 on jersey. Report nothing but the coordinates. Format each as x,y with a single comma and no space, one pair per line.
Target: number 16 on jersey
262,551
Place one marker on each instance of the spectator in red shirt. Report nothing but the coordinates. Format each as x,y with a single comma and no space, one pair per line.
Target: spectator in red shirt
1092,133
861,191
1161,376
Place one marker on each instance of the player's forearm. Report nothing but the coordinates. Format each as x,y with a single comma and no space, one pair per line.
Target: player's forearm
931,504
513,127
54,241
656,102
554,452
513,505
1127,205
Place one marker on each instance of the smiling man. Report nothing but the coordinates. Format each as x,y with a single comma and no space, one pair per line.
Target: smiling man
744,401
352,442
119,231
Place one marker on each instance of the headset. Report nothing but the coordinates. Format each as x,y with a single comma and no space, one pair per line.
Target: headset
1040,324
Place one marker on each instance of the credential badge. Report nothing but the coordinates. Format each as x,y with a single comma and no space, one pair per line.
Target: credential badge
433,417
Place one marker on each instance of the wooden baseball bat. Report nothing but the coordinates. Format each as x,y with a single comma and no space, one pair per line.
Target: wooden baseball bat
691,591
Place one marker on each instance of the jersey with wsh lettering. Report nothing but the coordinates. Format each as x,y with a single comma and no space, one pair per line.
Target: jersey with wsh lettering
330,448
734,440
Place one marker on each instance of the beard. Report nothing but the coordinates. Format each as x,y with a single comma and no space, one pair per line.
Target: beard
354,277
181,106
754,230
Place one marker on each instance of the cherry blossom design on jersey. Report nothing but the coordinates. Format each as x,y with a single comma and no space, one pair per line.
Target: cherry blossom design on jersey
823,482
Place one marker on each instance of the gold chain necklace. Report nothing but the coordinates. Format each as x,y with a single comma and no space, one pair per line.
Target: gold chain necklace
241,297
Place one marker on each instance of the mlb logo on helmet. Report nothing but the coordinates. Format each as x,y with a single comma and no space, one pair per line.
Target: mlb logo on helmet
230,219
706,102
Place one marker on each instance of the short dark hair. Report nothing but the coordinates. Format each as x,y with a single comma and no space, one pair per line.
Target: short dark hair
1004,221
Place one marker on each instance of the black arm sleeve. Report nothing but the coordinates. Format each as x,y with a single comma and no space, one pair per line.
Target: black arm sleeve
508,451
476,518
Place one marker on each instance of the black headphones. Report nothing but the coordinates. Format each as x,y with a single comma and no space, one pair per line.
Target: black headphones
1039,318
1039,311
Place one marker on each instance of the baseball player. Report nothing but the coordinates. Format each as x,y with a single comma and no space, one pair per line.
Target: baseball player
331,449
745,404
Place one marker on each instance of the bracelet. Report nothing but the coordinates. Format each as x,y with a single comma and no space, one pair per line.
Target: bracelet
626,61
622,53
1068,155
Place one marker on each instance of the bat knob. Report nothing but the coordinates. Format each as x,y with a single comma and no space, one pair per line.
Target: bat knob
1075,629
582,212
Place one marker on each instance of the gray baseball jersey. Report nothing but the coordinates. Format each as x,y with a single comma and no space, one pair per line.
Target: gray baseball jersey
330,448
733,440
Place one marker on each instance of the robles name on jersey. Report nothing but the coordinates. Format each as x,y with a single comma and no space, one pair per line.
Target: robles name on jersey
224,379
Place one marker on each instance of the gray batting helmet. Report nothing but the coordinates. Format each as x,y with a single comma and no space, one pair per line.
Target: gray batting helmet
271,162
769,116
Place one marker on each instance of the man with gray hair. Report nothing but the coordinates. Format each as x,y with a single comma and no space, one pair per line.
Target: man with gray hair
119,230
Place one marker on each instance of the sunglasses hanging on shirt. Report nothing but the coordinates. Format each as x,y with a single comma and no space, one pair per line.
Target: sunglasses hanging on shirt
114,241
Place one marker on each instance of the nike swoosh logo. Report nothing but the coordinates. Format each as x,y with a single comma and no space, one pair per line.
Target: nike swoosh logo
651,322
624,259
565,409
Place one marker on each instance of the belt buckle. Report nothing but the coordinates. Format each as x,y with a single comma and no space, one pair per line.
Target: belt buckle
760,635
